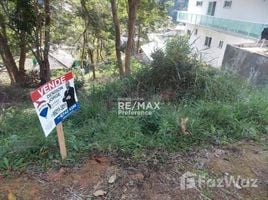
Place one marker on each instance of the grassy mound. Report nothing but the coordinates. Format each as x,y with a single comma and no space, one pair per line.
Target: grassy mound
219,108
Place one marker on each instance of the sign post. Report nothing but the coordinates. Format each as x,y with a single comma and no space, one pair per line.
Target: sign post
54,102
61,140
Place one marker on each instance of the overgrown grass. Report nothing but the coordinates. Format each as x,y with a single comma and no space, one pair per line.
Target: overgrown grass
220,109
97,127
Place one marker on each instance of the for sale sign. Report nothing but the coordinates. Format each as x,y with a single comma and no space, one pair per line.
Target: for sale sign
55,101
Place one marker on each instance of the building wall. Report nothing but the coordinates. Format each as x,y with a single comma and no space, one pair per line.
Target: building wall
251,66
214,54
244,10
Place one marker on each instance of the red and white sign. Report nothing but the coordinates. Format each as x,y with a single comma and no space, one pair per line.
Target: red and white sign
55,101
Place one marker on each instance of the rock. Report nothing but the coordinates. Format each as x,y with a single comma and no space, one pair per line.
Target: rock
55,176
112,179
200,164
99,159
138,177
219,152
226,174
99,193
131,183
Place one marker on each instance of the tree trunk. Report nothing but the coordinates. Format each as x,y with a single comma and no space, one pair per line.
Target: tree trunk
91,56
101,48
132,11
9,61
117,37
11,77
23,51
7,56
83,50
9,71
98,51
139,38
45,67
44,72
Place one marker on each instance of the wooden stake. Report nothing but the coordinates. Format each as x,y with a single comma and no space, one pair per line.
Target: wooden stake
61,140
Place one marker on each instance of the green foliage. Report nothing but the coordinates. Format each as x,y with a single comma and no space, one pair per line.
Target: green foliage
14,164
151,16
20,138
79,79
23,16
175,70
219,107
178,50
96,126
79,82
220,122
150,124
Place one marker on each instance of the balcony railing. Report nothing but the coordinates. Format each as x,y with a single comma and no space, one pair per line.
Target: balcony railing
244,28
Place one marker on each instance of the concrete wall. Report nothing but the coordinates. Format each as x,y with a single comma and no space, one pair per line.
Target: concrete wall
252,66
214,54
244,10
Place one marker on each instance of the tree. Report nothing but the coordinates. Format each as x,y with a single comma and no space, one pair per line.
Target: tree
44,67
7,56
12,19
39,46
117,36
29,20
97,35
28,26
132,11
151,16
89,20
22,19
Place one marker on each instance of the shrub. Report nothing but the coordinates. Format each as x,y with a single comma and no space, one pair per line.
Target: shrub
150,124
176,70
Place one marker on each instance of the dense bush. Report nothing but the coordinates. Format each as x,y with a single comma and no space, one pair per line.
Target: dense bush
176,70
150,124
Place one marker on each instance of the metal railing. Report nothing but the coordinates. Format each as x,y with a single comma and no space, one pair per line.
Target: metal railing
244,28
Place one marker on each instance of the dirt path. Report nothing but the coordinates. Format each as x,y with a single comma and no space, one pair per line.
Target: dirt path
156,177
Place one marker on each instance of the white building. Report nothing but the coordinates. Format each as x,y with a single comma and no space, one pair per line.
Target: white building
158,40
214,24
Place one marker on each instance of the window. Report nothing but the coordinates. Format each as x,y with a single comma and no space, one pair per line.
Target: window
211,8
227,4
196,31
199,3
208,41
220,44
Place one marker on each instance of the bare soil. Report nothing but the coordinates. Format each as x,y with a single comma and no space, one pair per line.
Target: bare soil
155,177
